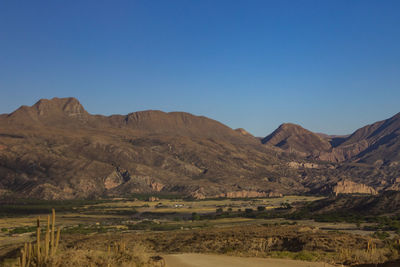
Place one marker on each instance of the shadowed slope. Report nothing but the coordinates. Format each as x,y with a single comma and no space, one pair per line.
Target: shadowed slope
377,143
294,138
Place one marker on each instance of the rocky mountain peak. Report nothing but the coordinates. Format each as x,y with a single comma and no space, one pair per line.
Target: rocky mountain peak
49,112
243,132
293,137
70,106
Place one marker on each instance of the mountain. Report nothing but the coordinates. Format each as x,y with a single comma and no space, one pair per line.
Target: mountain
295,139
374,144
379,142
55,149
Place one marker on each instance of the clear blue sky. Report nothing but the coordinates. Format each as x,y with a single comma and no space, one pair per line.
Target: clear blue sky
331,66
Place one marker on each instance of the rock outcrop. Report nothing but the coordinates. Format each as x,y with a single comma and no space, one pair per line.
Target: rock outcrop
306,165
244,194
349,187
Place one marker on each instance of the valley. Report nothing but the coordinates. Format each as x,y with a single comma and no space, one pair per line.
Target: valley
246,227
151,187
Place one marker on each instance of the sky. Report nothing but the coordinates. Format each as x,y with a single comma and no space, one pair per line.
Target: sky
331,66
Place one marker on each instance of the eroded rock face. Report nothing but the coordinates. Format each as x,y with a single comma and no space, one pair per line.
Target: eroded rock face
344,152
275,194
245,194
73,108
153,199
113,180
297,165
116,178
200,194
155,186
349,187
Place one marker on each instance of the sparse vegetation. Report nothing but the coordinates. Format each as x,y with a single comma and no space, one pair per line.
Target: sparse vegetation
183,219
40,252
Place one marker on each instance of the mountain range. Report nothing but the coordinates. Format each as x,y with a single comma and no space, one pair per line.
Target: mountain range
55,149
377,143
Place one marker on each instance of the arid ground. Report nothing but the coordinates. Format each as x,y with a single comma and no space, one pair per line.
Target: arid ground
202,260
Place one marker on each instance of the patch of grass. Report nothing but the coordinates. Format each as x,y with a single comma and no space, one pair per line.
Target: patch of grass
152,226
21,230
20,207
84,229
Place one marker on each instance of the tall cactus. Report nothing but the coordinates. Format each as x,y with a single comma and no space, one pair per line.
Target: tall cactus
38,254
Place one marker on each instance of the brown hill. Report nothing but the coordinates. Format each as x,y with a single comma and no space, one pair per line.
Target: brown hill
56,150
375,144
296,139
380,140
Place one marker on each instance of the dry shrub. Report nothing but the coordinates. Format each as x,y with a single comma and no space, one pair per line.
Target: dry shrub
359,256
137,256
47,253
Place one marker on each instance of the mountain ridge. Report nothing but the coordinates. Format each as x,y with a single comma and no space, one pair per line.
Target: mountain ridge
371,143
58,156
55,149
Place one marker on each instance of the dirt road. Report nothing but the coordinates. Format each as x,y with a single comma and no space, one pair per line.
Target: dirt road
204,260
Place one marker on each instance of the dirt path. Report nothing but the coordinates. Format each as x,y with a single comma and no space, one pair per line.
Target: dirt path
205,260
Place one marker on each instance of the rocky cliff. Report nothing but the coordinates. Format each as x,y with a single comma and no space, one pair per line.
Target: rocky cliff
349,187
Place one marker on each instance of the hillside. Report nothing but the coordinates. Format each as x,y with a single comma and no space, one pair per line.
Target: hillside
296,139
55,149
381,141
375,144
387,202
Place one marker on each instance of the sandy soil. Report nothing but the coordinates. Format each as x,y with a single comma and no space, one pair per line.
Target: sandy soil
203,260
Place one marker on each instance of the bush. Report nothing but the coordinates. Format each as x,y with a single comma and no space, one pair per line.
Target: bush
381,235
21,230
286,206
248,210
261,208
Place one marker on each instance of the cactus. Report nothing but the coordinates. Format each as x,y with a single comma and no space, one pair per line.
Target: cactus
38,254
53,222
371,246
